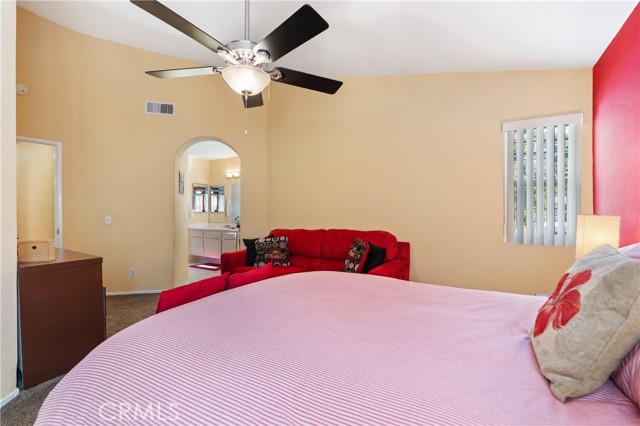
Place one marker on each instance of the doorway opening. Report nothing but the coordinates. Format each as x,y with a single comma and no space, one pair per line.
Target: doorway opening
207,208
39,189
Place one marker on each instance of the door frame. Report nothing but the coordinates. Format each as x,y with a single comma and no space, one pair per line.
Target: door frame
57,184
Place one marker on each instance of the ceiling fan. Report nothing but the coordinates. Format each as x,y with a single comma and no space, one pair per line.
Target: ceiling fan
248,71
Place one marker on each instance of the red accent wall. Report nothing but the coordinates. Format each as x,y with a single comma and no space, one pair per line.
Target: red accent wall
616,130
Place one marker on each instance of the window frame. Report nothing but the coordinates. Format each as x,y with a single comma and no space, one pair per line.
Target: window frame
521,134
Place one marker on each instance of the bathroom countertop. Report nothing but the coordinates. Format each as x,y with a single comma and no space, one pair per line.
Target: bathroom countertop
213,227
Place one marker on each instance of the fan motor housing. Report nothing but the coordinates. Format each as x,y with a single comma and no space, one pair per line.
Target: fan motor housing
242,52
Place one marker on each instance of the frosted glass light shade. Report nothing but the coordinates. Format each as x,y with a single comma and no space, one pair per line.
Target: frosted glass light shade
593,231
246,79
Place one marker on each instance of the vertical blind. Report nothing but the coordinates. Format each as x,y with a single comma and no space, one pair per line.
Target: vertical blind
542,180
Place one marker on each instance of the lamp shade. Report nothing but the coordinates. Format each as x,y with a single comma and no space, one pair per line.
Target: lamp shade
246,79
593,231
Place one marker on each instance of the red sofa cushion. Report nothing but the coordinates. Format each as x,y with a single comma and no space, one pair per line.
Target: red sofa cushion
276,271
244,278
242,269
190,292
286,270
303,242
337,242
331,265
310,263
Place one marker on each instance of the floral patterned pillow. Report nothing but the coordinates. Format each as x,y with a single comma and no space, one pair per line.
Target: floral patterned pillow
357,256
274,250
589,323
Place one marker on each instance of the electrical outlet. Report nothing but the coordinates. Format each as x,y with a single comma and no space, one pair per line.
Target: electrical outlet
133,273
107,220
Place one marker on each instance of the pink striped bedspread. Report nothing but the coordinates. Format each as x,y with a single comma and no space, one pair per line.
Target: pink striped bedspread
328,348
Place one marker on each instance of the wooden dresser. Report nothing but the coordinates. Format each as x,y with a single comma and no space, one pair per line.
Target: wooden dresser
61,310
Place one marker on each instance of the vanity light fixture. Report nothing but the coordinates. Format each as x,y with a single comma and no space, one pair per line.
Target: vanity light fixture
231,175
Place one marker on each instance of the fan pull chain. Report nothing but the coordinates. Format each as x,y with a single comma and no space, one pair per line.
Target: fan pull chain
246,114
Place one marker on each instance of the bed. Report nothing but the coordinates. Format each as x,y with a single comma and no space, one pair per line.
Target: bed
328,348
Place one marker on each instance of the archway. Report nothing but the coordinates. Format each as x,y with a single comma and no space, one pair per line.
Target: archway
212,168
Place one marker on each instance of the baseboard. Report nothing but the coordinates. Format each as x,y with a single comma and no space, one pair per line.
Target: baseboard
9,397
125,293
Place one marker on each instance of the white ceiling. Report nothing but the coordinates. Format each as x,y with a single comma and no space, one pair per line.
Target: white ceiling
372,37
211,150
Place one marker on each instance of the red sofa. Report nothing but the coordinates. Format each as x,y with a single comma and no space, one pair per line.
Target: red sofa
326,250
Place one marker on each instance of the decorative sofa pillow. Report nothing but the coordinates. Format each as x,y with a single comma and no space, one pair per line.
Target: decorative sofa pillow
589,323
272,250
375,258
356,256
250,244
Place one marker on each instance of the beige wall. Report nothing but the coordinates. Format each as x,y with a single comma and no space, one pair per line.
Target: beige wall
35,168
181,241
8,226
422,157
89,94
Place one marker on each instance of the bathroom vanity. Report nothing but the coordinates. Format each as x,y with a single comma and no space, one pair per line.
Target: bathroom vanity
212,239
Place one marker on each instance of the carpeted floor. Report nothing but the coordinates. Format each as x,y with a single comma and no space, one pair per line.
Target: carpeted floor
122,311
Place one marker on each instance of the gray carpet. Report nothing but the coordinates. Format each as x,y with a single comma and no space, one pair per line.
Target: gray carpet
122,311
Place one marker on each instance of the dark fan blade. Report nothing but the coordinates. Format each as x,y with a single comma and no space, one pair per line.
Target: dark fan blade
183,72
308,81
253,101
301,27
167,15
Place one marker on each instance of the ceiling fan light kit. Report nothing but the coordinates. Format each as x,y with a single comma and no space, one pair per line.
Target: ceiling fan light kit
246,79
247,71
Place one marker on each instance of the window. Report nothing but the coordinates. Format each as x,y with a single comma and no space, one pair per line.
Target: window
542,180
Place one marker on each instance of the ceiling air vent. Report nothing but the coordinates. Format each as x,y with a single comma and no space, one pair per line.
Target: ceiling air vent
162,108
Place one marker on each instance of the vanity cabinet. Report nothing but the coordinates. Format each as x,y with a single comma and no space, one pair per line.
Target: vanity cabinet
229,241
197,243
212,243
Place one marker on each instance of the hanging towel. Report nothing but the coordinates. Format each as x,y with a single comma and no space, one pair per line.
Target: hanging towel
189,209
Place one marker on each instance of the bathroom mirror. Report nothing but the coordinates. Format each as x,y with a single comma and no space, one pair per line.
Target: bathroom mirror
216,193
200,198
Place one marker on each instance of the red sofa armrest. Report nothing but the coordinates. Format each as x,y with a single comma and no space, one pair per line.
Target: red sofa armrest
189,292
233,259
398,267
